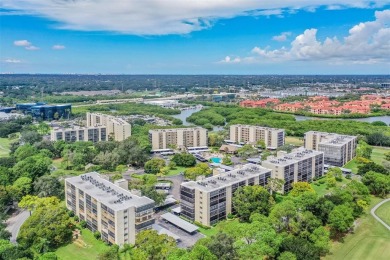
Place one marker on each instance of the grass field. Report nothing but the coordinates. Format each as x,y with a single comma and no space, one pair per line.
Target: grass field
298,141
80,251
370,240
378,155
5,144
384,212
321,189
61,171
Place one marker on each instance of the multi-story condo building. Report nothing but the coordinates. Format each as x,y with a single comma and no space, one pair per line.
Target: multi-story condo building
117,128
108,208
210,200
93,134
299,165
338,149
272,137
178,137
99,127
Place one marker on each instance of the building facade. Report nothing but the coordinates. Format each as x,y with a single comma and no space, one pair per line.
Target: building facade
108,208
272,137
210,200
301,165
117,128
178,137
338,149
44,111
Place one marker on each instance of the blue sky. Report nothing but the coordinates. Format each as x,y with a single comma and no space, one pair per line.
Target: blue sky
195,37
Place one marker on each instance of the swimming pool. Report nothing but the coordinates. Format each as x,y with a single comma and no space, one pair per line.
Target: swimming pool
215,159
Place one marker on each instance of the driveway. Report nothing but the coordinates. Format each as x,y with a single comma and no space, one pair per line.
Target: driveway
376,217
176,181
15,222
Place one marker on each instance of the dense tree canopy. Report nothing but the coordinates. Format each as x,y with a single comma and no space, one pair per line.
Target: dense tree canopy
251,199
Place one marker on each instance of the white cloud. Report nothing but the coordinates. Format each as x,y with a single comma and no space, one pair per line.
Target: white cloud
159,17
58,47
23,43
26,44
366,43
12,61
281,37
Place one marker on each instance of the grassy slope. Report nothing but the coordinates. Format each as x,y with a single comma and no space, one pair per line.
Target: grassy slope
384,212
294,140
378,155
5,144
370,240
74,251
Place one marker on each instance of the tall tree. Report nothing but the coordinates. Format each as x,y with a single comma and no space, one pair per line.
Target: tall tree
341,218
251,199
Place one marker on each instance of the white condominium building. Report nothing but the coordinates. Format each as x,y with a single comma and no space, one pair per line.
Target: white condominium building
210,200
117,128
272,137
301,165
338,149
178,137
99,127
108,208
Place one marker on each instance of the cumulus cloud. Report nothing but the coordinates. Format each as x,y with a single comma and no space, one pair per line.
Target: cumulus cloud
26,44
23,43
12,61
157,17
58,47
366,43
281,37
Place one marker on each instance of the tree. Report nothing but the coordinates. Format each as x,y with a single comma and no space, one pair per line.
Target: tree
251,199
110,254
261,144
43,128
121,168
184,159
301,248
363,150
154,165
222,246
247,151
201,169
107,160
287,256
377,183
274,185
153,245
33,202
341,218
48,256
201,252
47,228
335,172
32,167
387,156
320,238
48,186
301,187
226,160
21,187
363,168
330,181
25,151
150,192
30,137
283,215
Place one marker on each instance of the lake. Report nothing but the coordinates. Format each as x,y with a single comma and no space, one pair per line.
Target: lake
385,119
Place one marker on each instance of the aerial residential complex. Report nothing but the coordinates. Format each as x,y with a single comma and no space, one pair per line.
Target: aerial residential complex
338,149
108,208
272,137
210,200
299,165
178,137
99,127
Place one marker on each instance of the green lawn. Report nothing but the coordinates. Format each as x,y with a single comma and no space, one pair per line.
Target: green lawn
321,190
57,164
176,171
298,141
77,250
5,144
384,212
378,155
370,240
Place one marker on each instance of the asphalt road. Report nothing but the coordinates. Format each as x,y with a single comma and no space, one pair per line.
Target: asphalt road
176,181
15,222
376,217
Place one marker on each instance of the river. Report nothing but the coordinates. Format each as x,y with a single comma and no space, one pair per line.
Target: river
186,113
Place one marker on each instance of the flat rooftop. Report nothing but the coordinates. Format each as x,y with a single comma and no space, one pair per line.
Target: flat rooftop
107,193
179,222
176,129
227,178
259,127
332,138
76,127
295,156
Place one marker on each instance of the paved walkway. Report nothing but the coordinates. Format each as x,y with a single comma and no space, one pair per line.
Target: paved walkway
15,222
376,217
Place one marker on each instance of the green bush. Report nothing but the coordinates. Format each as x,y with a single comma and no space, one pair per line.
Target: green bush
83,224
97,234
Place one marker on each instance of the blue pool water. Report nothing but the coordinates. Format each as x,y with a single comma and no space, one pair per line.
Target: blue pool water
216,160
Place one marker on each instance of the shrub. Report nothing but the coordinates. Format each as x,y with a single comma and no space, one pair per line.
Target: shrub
97,234
76,218
83,224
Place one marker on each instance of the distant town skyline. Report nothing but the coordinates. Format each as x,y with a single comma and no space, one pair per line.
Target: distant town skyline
195,37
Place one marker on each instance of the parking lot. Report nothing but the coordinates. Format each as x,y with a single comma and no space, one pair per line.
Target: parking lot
186,240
